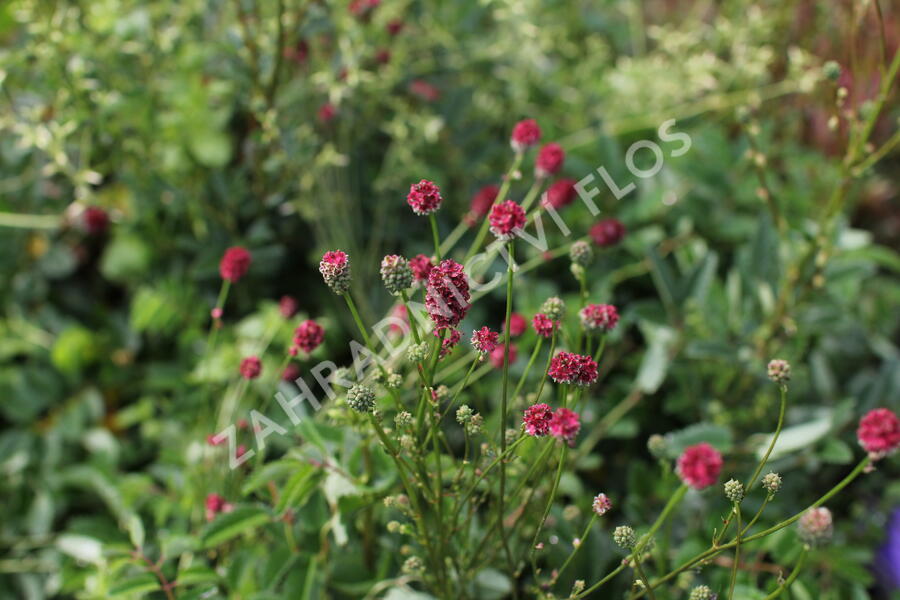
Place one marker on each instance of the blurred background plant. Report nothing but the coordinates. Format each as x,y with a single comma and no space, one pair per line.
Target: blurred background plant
292,127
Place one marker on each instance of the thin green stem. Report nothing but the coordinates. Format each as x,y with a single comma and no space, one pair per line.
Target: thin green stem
504,399
537,534
534,354
436,236
501,196
581,540
737,552
787,582
547,367
643,577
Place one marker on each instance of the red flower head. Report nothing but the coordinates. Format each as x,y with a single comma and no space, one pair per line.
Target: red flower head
485,340
496,356
482,202
362,9
424,197
526,133
335,270
543,325
567,367
549,160
451,339
95,220
879,432
601,504
394,27
517,325
290,373
599,317
607,232
250,367
421,266
447,294
287,306
327,112
383,56
560,194
309,335
298,53
234,263
537,420
216,504
424,90
565,424
506,218
699,465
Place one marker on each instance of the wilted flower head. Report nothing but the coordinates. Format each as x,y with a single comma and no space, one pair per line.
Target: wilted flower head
607,232
424,197
772,482
625,537
447,294
506,218
554,308
879,432
567,367
779,371
657,445
421,266
485,340
560,194
361,398
601,504
581,253
309,335
549,160
565,424
451,339
335,270
234,263
699,465
543,326
537,419
525,133
599,317
815,526
396,274
250,367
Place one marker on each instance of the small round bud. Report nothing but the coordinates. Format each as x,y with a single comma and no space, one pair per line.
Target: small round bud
361,398
393,526
393,381
464,414
702,592
581,253
396,274
416,353
403,419
407,442
625,537
779,371
772,482
657,445
335,270
413,565
577,270
554,308
816,526
831,70
578,587
475,424
734,490
601,505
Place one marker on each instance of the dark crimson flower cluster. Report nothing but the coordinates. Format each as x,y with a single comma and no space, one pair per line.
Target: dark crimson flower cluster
506,218
287,306
424,197
497,355
482,202
309,335
543,325
879,432
607,232
251,367
599,317
525,133
234,263
451,339
95,220
549,160
565,424
560,194
517,325
578,369
699,465
537,419
447,294
484,340
335,270
421,266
